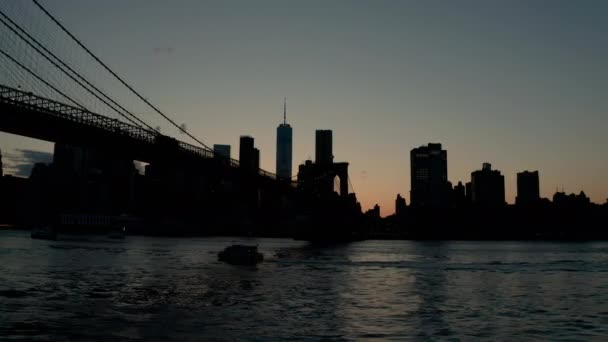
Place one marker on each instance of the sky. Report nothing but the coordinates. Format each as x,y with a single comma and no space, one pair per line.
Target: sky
519,84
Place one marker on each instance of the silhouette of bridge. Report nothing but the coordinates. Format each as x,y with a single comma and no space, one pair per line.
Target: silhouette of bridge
26,114
33,115
47,94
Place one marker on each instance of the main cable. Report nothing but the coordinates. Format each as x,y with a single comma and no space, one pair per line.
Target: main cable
70,69
41,79
64,29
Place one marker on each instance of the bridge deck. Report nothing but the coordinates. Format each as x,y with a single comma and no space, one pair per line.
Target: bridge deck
54,113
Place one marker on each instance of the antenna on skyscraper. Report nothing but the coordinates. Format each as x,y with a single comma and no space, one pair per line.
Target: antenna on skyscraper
284,110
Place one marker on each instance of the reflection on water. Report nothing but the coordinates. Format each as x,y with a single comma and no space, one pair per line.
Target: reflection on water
174,288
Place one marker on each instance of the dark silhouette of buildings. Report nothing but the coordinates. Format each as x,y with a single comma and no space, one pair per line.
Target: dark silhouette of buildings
93,184
528,189
247,157
306,177
488,187
400,205
284,147
561,199
319,177
323,147
12,196
327,215
459,196
13,199
429,176
256,159
221,151
92,180
69,159
373,213
468,192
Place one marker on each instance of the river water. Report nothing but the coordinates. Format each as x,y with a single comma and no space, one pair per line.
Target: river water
145,288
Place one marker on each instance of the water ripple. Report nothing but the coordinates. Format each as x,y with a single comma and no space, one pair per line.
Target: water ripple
151,288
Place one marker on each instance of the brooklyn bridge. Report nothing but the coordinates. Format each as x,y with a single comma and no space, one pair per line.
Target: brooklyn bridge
186,187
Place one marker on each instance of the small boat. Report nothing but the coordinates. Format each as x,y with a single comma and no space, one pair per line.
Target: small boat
120,234
241,255
44,233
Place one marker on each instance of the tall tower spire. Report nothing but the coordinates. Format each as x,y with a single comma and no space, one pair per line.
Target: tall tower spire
284,110
284,146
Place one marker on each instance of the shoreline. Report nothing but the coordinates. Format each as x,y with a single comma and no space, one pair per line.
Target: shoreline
13,227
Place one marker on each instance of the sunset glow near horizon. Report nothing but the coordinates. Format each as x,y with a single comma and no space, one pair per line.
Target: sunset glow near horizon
518,84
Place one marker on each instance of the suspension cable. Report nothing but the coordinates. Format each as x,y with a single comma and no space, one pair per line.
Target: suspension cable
41,79
64,29
69,68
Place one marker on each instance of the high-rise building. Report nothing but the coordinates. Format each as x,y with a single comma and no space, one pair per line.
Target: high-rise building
528,190
488,187
246,153
468,192
71,159
562,200
256,159
373,213
284,147
319,178
429,176
400,205
459,197
323,147
221,151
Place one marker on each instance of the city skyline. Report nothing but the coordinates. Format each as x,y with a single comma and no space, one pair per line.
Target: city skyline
440,172
485,89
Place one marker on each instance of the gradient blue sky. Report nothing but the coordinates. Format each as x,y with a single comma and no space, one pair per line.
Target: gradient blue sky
520,84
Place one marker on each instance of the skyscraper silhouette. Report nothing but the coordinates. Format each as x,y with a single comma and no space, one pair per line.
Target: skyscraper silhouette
429,176
488,187
459,197
246,153
319,177
221,151
527,187
323,147
400,205
256,159
71,159
284,147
